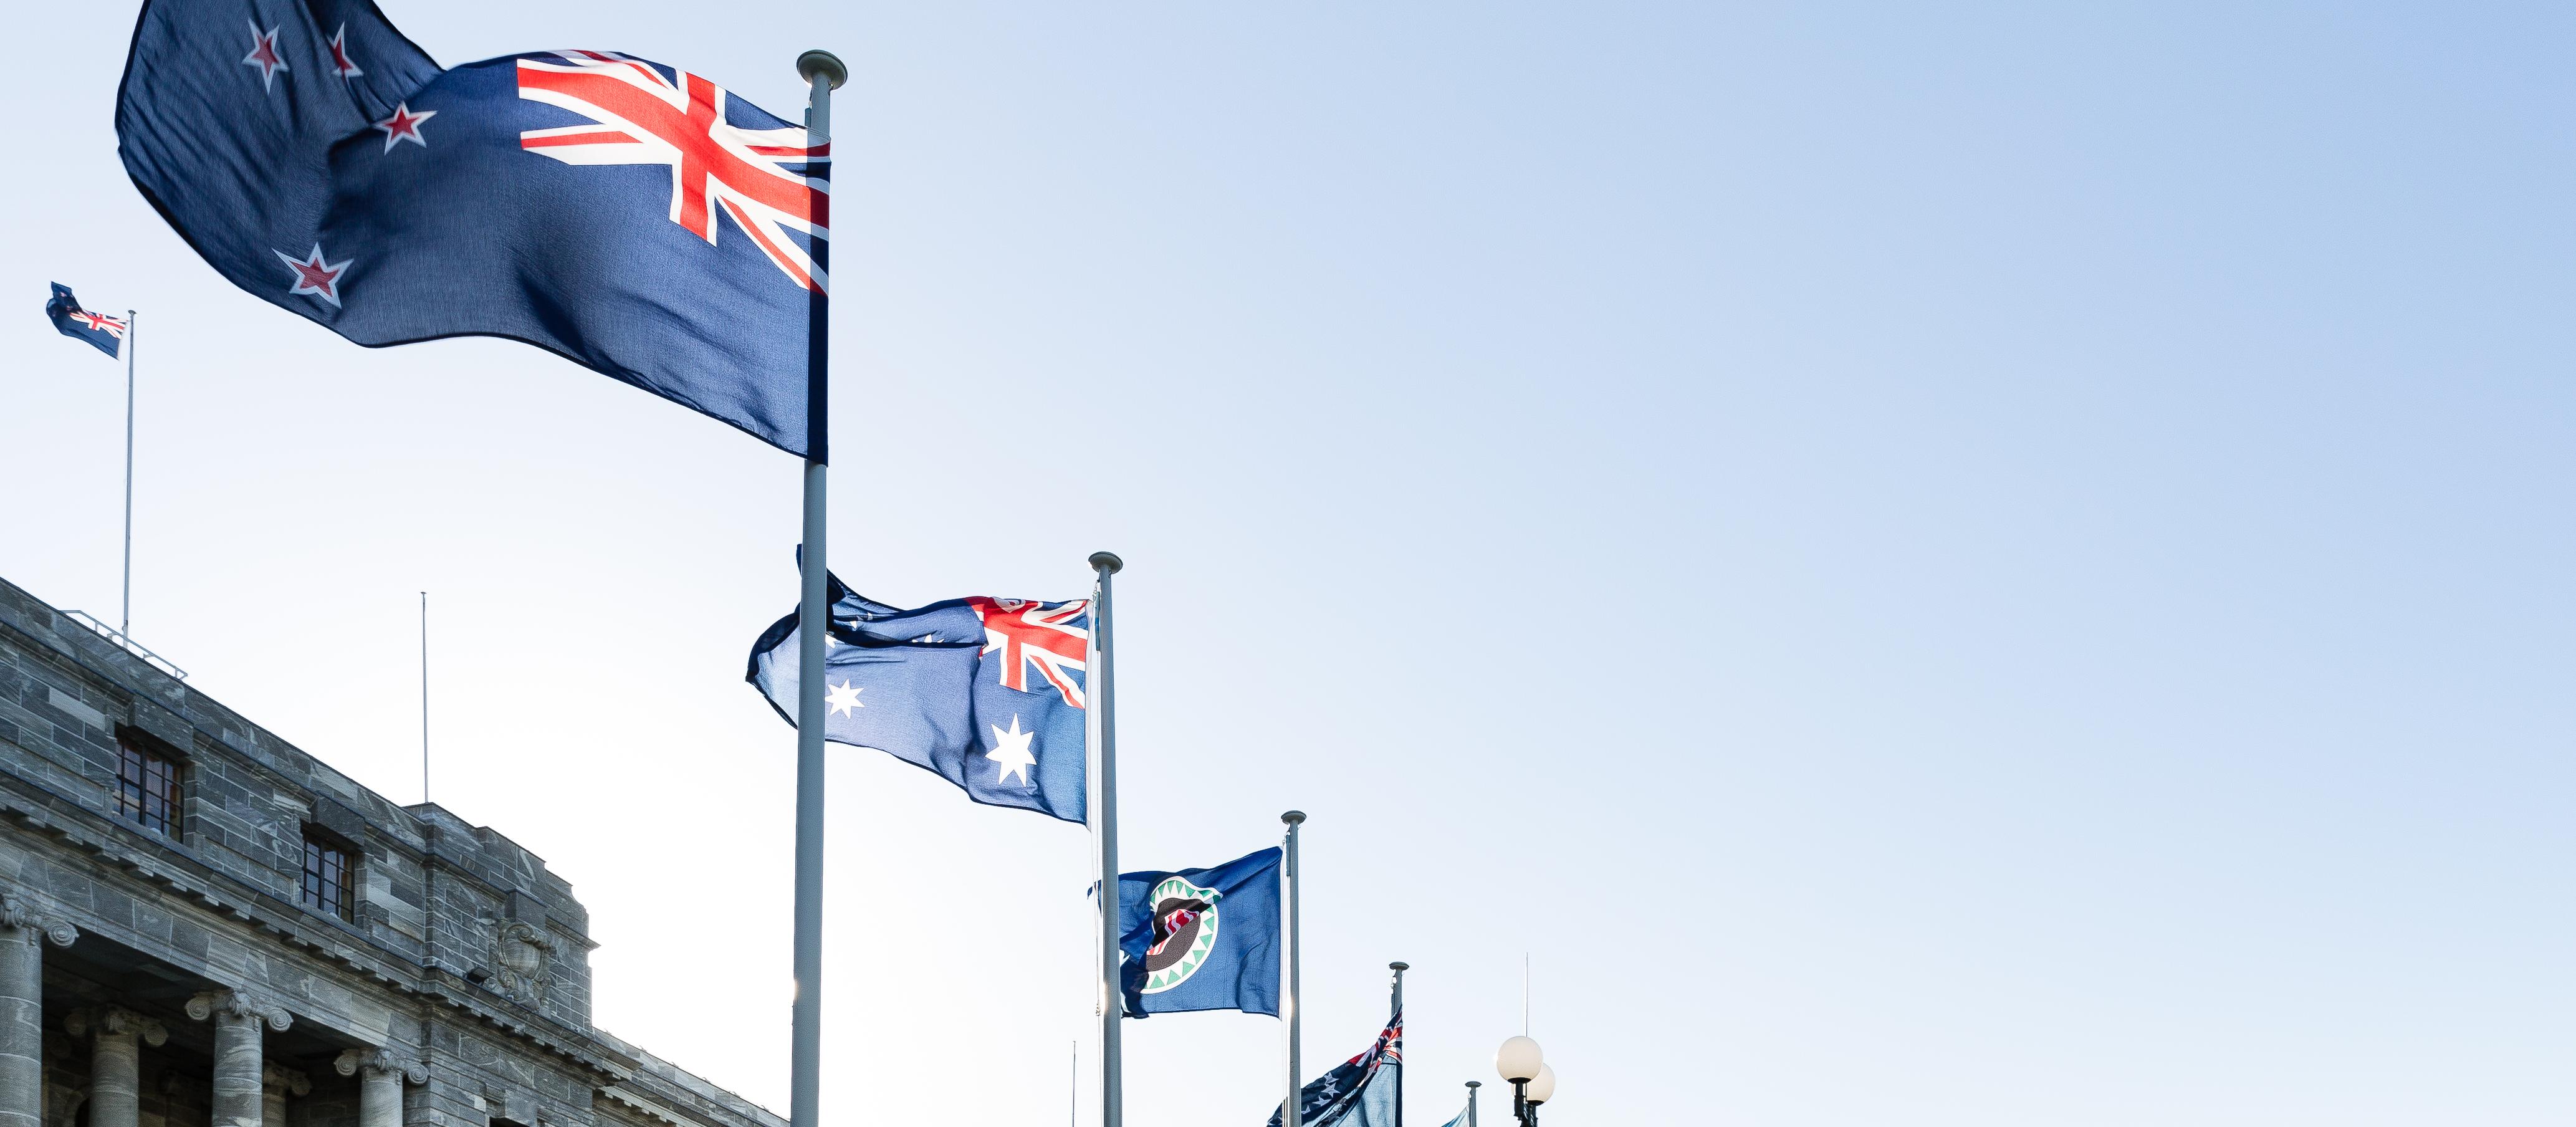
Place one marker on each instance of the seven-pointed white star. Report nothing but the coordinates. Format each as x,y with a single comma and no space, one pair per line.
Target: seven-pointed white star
1011,750
843,698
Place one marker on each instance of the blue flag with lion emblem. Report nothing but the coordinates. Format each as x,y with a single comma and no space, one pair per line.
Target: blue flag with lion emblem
1202,939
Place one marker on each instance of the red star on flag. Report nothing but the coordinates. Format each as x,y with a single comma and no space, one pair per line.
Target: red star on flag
263,53
404,125
340,54
315,276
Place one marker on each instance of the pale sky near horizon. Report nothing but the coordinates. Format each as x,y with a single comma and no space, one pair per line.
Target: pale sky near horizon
1990,564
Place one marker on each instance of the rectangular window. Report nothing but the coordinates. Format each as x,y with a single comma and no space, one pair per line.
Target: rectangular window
326,877
147,788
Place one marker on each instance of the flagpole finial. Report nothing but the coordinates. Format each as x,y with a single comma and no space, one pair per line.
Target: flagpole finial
1107,561
1399,968
1293,817
824,63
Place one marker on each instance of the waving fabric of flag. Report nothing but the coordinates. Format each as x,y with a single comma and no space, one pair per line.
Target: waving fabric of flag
1201,939
103,332
985,692
628,215
1359,1092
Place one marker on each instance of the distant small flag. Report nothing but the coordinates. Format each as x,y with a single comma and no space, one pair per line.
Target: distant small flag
107,333
1202,939
1359,1092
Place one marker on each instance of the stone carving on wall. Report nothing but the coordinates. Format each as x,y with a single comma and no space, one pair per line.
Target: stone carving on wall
115,1021
237,1004
380,1062
20,917
523,953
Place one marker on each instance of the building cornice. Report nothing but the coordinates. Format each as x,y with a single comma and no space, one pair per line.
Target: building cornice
48,813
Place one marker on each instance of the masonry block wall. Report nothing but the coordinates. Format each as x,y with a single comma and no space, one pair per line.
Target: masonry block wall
455,992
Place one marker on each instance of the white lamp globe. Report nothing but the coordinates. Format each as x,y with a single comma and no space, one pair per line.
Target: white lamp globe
1542,1087
1518,1059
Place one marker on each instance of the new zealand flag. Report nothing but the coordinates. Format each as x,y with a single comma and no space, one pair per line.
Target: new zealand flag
627,215
105,333
988,693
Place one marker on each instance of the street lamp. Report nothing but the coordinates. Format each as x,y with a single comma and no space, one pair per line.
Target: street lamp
1533,1082
1542,1087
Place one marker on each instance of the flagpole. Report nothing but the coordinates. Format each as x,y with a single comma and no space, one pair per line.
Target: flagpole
125,611
822,72
1394,1013
1104,744
1471,1102
424,698
1292,1113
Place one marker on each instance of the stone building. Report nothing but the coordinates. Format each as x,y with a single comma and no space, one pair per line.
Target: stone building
202,926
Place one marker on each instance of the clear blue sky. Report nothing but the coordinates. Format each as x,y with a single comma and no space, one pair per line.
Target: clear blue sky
1958,564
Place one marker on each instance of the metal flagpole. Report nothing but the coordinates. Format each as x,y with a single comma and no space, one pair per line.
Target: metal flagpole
1292,1113
1471,1102
125,613
424,698
1395,1012
1097,686
822,73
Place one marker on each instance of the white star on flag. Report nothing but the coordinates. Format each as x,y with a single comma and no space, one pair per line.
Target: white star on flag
263,54
315,275
1011,750
843,698
404,125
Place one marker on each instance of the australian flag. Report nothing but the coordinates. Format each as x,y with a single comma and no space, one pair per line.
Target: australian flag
1202,939
100,330
986,692
1362,1091
627,215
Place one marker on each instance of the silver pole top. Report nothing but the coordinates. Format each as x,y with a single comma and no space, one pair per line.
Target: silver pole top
824,63
1399,968
1475,1084
1107,561
1293,817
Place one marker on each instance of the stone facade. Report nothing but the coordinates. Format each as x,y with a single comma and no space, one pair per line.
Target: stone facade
177,979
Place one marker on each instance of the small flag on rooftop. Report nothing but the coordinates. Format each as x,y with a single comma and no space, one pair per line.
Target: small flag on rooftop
103,332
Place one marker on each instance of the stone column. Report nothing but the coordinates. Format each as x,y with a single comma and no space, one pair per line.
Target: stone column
380,1079
237,1017
22,1008
275,1084
116,1040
